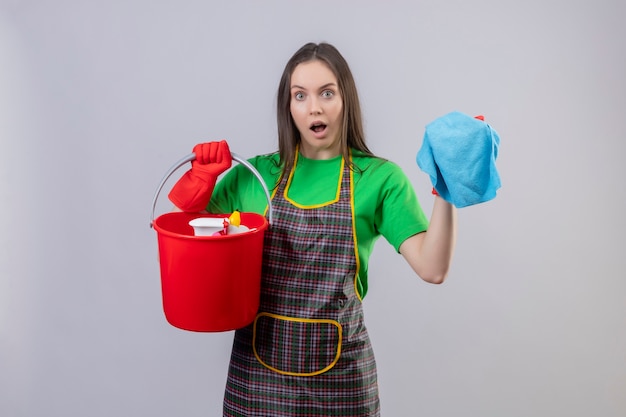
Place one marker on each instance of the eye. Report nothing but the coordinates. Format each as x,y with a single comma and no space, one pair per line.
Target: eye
299,96
328,93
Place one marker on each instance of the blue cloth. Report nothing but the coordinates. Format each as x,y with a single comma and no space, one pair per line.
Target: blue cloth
459,153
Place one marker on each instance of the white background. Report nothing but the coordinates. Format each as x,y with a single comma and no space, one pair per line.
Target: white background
99,98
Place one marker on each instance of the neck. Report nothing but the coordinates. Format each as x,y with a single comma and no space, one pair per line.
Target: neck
319,153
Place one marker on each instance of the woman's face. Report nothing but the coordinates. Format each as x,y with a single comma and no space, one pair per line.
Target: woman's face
316,107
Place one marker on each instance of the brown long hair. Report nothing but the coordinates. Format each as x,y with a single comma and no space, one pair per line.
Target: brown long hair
352,135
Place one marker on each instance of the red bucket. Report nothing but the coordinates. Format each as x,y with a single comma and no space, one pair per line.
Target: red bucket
210,283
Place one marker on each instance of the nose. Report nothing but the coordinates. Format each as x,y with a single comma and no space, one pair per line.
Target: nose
314,106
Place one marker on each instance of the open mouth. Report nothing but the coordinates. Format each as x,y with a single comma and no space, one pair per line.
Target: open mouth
318,127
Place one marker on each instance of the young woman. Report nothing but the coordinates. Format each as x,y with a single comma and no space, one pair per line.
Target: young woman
308,352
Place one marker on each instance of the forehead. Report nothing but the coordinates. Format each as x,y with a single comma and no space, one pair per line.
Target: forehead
312,74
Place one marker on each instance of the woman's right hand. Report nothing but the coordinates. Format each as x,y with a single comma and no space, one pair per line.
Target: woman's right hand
193,190
212,159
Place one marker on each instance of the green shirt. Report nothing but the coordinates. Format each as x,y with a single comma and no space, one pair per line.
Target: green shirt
385,203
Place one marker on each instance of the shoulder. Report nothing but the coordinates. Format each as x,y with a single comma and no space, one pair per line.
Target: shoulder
377,169
266,162
267,166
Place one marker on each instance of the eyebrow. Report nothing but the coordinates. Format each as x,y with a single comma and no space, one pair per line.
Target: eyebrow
321,88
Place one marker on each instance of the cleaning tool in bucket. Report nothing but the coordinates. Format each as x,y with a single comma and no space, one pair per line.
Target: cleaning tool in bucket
210,283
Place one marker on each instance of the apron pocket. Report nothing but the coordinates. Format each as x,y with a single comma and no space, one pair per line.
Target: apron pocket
296,346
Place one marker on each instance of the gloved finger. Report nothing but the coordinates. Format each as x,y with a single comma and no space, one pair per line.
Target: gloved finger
203,153
212,157
223,154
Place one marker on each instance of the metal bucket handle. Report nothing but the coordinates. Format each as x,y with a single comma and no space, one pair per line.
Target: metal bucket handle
190,158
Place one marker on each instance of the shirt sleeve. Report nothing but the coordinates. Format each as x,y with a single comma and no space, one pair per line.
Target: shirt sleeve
239,189
399,214
225,195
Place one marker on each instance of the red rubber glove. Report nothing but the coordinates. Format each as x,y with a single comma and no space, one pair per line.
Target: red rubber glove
193,190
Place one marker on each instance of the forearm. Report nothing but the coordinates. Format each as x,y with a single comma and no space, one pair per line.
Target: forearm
440,239
430,253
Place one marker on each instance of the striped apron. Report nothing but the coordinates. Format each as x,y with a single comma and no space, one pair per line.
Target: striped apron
308,352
